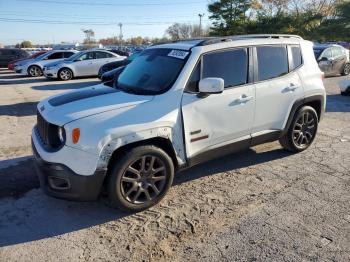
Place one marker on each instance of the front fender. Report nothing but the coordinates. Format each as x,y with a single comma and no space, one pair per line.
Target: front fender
111,145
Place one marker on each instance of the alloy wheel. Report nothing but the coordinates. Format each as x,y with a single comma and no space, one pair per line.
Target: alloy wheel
65,74
144,180
34,71
304,130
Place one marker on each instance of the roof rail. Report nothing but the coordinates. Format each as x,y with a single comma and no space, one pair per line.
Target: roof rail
267,36
215,40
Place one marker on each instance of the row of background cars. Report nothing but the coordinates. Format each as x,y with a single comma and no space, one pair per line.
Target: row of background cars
67,64
333,59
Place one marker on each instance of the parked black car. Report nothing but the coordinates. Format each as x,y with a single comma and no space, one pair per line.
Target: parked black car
119,52
9,54
332,59
113,65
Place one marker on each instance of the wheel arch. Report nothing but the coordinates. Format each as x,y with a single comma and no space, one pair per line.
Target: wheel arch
29,66
160,142
66,67
317,102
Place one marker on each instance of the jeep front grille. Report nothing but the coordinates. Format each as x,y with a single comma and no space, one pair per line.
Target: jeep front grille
48,133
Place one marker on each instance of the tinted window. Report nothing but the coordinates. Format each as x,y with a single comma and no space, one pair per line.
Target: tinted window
101,55
272,62
192,84
296,57
57,55
67,54
232,66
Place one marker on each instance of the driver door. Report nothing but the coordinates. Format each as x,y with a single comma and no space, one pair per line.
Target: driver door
84,64
212,124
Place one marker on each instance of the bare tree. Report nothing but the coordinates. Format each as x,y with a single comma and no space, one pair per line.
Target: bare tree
89,35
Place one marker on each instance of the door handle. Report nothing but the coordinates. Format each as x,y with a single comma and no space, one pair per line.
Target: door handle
244,99
292,88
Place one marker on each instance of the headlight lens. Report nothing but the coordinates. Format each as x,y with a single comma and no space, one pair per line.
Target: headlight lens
62,135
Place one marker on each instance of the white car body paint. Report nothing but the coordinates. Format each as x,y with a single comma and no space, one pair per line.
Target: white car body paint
88,67
40,61
108,122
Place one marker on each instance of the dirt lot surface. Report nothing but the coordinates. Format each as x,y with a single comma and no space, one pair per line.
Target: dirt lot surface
260,205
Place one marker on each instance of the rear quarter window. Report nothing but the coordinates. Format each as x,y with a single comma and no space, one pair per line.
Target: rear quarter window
296,57
272,62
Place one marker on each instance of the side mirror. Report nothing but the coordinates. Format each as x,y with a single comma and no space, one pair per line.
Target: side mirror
211,85
323,59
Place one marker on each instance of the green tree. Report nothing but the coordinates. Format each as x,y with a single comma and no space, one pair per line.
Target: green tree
26,44
229,17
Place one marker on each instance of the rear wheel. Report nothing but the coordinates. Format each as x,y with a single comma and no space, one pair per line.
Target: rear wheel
65,74
35,71
140,179
302,130
346,69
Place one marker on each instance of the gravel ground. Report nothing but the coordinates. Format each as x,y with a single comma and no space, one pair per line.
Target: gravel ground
263,204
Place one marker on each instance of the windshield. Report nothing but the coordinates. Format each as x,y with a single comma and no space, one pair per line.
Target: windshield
41,56
133,56
154,71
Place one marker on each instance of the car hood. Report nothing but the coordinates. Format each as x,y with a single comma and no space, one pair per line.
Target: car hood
24,62
71,106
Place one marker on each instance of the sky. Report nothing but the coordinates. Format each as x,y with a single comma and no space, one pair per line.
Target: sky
56,21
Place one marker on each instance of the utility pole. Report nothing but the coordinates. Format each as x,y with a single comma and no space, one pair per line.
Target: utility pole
120,34
200,23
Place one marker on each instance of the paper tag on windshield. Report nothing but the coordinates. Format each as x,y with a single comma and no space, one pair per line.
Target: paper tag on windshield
178,54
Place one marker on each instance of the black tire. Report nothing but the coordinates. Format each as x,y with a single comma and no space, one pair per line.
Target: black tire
65,74
129,181
346,69
34,71
303,128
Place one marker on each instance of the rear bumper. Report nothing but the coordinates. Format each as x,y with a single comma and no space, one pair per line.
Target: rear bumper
59,181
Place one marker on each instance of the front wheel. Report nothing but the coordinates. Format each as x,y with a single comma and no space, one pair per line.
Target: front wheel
140,179
65,74
302,130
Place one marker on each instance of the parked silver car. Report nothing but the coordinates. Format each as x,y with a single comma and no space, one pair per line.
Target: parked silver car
85,63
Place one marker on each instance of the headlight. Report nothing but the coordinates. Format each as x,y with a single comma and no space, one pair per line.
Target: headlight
62,135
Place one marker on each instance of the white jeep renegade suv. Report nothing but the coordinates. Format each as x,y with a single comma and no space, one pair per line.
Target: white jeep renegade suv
175,106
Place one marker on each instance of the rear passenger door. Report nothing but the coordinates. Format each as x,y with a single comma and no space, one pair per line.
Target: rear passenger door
278,86
219,120
102,58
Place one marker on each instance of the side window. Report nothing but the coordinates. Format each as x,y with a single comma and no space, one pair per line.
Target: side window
67,54
86,56
231,65
192,85
296,57
272,62
327,53
57,55
101,55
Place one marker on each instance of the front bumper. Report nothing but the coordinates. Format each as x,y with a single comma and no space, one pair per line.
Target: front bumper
59,181
50,73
